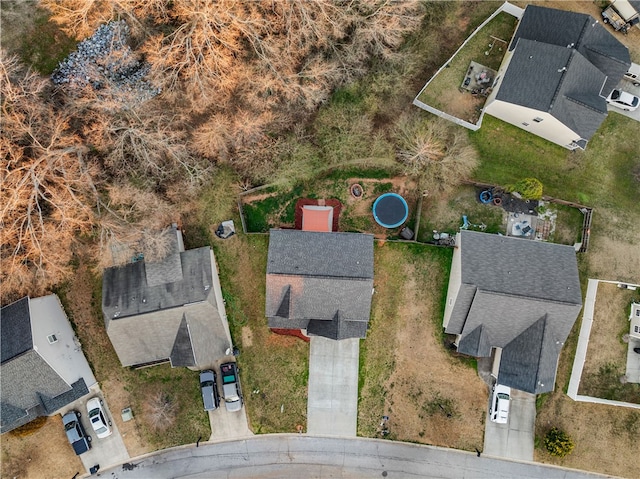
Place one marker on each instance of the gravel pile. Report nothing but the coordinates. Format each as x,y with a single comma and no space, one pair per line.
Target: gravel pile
107,64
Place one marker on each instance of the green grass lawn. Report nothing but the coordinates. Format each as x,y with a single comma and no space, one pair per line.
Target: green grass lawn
277,210
602,175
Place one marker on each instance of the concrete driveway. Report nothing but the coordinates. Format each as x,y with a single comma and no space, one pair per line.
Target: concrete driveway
627,86
104,452
514,440
227,425
332,406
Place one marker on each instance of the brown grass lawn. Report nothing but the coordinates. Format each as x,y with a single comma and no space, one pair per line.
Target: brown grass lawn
406,372
44,454
607,353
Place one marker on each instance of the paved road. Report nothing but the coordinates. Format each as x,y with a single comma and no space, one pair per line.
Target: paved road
514,440
296,456
332,404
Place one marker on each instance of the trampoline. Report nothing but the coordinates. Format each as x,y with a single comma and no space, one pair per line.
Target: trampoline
390,210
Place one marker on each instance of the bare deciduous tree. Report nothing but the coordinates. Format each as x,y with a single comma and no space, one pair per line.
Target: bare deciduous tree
47,185
436,152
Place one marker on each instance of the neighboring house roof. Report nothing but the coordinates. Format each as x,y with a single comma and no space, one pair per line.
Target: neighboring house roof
150,319
519,295
321,282
31,387
556,80
577,31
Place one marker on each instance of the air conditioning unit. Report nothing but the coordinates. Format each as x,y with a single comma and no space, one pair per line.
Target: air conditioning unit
52,339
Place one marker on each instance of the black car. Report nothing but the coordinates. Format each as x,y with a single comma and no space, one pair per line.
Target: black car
209,388
75,432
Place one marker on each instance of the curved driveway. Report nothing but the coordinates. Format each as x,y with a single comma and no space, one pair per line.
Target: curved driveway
295,456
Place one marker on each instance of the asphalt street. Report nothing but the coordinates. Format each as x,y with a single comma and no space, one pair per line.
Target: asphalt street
296,456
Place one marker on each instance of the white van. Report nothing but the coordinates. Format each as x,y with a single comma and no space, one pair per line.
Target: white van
633,75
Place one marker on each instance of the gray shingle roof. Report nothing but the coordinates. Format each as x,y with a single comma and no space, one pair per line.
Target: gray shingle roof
513,266
182,351
15,329
311,276
580,31
126,292
519,295
29,387
556,80
338,328
306,253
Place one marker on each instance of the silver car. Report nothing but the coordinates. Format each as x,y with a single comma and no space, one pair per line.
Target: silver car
231,387
209,388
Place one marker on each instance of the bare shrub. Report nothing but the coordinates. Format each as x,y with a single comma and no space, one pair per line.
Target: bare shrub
435,152
161,411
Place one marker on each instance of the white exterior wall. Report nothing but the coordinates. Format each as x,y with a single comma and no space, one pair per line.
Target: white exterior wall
549,128
65,356
499,77
455,280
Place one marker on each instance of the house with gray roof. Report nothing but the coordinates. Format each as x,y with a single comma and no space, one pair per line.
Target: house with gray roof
43,368
559,68
169,310
515,300
320,283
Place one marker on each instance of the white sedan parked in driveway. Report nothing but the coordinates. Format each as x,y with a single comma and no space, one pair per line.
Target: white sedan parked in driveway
98,418
622,99
499,411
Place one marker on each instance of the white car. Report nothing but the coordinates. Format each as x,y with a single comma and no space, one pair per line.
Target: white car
98,418
624,100
499,410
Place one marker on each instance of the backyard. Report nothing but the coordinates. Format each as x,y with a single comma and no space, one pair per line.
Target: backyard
275,207
486,48
606,359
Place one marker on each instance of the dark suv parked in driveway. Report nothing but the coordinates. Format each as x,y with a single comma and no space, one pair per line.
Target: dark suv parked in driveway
209,389
75,432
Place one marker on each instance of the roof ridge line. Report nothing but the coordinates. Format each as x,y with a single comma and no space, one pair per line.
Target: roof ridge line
534,298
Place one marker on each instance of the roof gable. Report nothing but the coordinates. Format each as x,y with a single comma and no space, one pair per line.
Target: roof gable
182,351
15,329
307,253
337,328
556,80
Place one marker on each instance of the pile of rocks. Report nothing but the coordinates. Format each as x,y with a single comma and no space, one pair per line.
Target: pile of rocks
105,63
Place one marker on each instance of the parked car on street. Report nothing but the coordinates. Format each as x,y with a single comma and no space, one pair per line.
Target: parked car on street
624,100
499,410
75,432
231,387
98,418
209,389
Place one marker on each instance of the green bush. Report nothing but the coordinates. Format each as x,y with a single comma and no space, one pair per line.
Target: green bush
529,188
558,443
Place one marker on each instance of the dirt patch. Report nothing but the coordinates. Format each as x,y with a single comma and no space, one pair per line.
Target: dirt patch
247,337
440,404
430,396
44,454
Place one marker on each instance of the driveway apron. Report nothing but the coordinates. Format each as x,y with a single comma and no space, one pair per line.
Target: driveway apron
332,407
